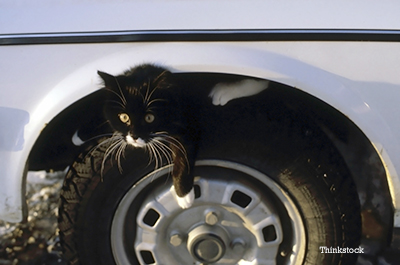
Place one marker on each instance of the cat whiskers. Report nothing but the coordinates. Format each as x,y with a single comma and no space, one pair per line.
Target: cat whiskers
117,147
121,95
104,142
117,102
160,150
176,143
123,99
155,100
120,152
163,139
113,145
148,95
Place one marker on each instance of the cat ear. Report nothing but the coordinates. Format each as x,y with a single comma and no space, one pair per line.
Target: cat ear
110,81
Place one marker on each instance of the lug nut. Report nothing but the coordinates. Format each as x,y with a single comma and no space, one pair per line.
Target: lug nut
211,218
175,240
238,246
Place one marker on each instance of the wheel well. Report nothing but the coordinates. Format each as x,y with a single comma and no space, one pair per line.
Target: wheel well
55,150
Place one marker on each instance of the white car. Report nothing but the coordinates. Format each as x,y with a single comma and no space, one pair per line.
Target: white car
303,172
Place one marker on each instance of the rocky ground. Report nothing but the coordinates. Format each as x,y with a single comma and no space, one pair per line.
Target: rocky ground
35,242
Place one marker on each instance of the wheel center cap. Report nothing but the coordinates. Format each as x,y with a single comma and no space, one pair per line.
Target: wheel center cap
208,248
206,245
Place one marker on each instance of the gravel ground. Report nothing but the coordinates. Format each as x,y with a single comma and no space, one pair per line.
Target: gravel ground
35,242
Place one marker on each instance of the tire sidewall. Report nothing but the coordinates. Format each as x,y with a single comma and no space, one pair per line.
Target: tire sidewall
300,159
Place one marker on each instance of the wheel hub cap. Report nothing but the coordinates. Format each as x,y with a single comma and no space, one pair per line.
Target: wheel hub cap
206,244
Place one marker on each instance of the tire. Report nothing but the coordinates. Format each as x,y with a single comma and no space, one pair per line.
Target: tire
278,196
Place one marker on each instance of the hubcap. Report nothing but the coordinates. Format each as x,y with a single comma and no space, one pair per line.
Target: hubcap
234,220
207,244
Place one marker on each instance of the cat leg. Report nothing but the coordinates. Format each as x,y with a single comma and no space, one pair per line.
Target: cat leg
185,201
182,176
222,93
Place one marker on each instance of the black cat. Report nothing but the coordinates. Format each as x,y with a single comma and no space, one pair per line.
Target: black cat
150,107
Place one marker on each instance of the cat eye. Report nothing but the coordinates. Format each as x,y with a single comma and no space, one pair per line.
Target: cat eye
149,118
124,118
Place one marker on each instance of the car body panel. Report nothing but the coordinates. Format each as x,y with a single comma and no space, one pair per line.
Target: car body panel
101,15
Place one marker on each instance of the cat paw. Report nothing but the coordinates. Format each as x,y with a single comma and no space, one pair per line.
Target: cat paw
186,201
222,93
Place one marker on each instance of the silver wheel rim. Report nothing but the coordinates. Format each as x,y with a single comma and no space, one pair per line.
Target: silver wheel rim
231,221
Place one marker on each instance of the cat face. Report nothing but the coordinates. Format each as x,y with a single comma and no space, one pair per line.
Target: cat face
140,104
